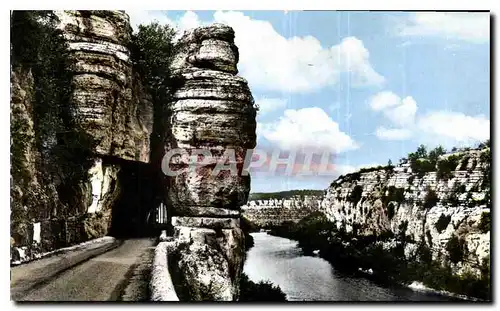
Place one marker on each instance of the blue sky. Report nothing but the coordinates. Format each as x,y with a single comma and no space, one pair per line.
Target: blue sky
369,86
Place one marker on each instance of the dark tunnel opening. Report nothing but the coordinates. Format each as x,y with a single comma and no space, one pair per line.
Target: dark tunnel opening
136,211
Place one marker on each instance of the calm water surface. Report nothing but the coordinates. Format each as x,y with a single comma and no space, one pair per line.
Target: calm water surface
309,278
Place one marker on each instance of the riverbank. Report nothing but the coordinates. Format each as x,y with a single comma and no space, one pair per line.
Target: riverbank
420,287
385,256
312,278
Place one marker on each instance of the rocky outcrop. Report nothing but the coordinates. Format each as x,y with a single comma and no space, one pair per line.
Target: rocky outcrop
270,213
25,186
105,96
213,110
109,106
401,202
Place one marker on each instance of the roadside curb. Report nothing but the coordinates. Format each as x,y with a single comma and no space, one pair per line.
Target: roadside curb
65,250
161,285
68,258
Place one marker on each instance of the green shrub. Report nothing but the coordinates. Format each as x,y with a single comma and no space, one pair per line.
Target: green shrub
465,161
435,153
447,166
424,253
422,166
403,226
352,176
452,199
455,248
485,222
454,193
473,165
355,195
429,237
262,291
442,222
390,210
396,194
431,199
422,162
461,189
486,161
485,156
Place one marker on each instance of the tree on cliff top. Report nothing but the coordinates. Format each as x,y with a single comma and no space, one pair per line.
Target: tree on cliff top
152,50
435,153
38,45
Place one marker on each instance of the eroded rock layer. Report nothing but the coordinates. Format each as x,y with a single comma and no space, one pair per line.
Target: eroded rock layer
105,93
276,212
212,110
112,108
399,201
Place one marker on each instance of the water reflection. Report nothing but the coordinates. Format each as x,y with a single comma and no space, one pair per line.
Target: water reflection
310,278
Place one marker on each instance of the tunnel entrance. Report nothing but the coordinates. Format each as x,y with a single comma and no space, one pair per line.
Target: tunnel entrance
138,209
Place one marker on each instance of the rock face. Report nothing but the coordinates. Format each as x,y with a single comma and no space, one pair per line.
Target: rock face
25,186
462,198
212,110
105,95
269,213
110,106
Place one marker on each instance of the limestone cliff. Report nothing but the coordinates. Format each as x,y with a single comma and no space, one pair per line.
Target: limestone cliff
118,185
276,212
109,108
213,110
119,119
431,208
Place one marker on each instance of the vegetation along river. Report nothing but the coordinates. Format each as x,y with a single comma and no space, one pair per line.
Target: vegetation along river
311,278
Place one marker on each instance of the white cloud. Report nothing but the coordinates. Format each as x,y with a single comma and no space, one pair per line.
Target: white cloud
436,125
404,113
467,26
384,99
267,105
270,61
187,21
393,133
146,17
307,128
455,125
399,111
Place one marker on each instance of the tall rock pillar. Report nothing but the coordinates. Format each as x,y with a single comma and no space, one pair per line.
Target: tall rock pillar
212,110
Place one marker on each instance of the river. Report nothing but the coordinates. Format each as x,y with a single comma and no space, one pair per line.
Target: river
311,278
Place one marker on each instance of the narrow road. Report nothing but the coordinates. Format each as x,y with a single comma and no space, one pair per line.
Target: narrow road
118,274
